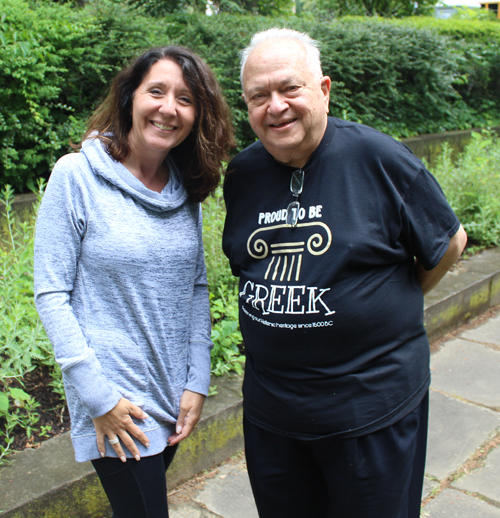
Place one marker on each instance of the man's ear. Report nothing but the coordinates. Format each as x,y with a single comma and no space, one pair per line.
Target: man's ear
326,84
244,98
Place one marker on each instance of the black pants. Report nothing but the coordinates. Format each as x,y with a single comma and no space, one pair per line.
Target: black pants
136,489
379,475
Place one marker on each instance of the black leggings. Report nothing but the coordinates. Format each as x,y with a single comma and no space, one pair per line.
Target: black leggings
136,489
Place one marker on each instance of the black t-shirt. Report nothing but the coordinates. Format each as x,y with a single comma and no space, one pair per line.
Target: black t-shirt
331,311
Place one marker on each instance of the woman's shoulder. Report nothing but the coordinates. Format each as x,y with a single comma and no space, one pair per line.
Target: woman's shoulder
72,178
74,168
72,164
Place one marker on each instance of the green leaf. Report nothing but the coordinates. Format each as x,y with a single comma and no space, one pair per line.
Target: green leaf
17,393
4,403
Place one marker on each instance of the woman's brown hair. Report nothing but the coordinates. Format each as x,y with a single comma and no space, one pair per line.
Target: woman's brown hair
201,154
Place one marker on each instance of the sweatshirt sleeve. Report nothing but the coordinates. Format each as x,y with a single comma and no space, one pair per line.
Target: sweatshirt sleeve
200,343
60,229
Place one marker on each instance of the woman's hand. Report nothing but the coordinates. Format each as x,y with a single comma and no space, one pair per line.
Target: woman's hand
117,423
189,414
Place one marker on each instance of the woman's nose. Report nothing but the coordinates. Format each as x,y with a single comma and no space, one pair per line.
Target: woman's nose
167,106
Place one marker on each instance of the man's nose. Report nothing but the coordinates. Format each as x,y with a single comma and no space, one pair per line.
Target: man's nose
277,104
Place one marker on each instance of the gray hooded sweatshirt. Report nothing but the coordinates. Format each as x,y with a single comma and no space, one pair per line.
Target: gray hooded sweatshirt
120,286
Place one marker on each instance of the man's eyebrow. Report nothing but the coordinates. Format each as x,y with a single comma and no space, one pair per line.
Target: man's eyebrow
283,82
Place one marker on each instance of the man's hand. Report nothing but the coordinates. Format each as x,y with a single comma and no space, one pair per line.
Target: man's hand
189,414
430,278
117,424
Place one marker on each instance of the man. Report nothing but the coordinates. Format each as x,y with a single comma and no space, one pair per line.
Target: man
336,231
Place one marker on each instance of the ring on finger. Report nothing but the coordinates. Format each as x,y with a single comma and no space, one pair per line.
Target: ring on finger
114,441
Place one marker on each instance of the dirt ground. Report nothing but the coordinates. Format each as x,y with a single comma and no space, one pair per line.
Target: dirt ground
53,412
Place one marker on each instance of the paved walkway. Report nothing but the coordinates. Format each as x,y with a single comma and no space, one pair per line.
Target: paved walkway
463,461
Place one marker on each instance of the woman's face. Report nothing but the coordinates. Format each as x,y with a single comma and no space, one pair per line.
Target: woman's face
163,111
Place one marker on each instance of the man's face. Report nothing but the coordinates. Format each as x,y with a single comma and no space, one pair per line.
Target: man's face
287,104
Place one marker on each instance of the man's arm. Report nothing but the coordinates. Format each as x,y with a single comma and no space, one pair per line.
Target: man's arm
430,278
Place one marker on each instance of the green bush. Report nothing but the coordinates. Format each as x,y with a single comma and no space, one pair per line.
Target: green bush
33,122
223,290
404,77
479,44
472,186
23,342
55,63
394,78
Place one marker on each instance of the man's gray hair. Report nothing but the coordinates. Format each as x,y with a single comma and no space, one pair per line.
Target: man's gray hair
310,46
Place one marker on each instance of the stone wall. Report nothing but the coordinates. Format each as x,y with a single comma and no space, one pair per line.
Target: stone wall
429,146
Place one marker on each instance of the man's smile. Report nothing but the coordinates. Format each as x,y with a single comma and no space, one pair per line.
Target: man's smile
282,124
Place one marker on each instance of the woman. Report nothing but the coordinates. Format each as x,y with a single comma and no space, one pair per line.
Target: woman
120,279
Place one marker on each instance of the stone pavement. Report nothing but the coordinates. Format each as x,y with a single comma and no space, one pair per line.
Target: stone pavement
463,461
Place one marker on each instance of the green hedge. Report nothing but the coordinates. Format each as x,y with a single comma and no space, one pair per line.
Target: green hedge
55,62
479,44
407,77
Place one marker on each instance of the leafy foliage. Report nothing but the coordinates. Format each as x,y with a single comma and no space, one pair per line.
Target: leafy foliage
55,62
23,342
474,13
17,410
223,289
331,9
478,43
163,7
33,122
255,7
383,74
22,338
226,334
472,186
404,77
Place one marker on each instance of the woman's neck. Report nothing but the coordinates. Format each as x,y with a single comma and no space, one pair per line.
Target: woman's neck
152,172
